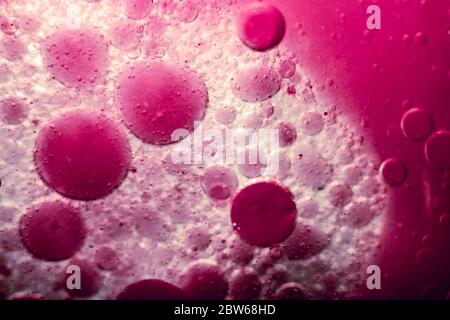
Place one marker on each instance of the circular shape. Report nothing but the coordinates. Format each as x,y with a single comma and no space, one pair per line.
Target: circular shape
358,215
305,242
339,195
137,9
52,230
290,291
261,26
287,133
393,171
82,155
255,84
76,58
151,289
312,123
106,258
244,285
219,182
204,281
13,111
158,99
89,278
226,115
437,149
417,124
264,214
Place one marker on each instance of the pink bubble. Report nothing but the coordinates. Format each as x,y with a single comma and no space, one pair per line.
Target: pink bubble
417,124
226,115
254,163
82,155
264,213
52,230
287,68
76,58
311,123
244,285
305,242
393,171
254,84
261,26
437,149
106,258
198,238
358,215
13,110
151,289
240,252
290,291
204,280
287,133
313,169
13,49
339,195
157,99
89,279
219,182
126,35
137,9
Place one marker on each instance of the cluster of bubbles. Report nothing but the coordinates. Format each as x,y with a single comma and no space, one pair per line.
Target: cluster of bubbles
77,189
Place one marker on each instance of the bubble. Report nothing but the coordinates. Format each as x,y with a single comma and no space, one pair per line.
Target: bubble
393,171
261,26
417,124
219,182
89,279
198,238
151,289
264,213
305,242
240,252
76,58
203,280
253,84
287,133
437,149
13,111
137,9
313,170
52,230
13,48
287,68
254,162
311,123
187,11
82,155
290,291
358,215
126,35
106,258
157,99
244,285
340,195
225,115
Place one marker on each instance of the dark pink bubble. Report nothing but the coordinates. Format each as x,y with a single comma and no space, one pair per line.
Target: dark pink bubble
305,242
82,155
244,285
261,26
264,213
204,281
393,171
12,48
290,291
287,133
157,99
126,35
358,215
437,149
52,230
89,279
106,258
339,195
311,123
219,182
137,9
13,110
151,289
417,124
76,58
254,84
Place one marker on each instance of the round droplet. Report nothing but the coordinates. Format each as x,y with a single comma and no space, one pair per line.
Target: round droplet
204,280
219,182
106,258
261,26
311,123
393,171
255,84
151,289
13,110
158,99
339,195
52,230
417,124
287,133
290,291
244,285
82,155
305,242
264,214
137,9
358,215
226,115
437,149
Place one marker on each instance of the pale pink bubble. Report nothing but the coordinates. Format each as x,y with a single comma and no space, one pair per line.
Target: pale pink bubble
13,110
287,133
253,165
198,238
340,195
156,26
311,123
352,175
253,121
175,168
287,68
106,258
254,84
313,170
226,115
149,224
358,215
305,242
137,9
284,166
126,35
308,208
219,182
13,48
187,11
